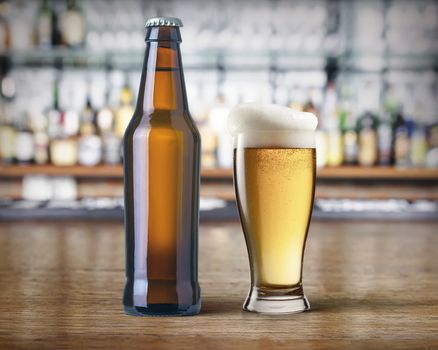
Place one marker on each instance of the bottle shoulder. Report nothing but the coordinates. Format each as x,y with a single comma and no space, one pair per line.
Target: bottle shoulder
163,118
172,121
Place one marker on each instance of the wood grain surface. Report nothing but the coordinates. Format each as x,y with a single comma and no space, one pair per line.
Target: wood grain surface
371,285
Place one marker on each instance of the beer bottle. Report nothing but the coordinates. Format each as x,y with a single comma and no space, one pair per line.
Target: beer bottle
161,172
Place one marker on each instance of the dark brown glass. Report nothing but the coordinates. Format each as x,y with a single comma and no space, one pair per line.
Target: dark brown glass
161,170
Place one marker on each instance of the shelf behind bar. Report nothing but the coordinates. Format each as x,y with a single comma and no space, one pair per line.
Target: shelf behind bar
231,59
116,171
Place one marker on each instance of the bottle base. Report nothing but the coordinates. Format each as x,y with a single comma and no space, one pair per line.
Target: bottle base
276,301
158,310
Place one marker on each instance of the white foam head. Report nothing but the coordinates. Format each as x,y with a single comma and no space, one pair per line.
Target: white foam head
264,125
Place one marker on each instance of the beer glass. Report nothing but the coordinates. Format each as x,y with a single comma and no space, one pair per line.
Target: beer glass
274,178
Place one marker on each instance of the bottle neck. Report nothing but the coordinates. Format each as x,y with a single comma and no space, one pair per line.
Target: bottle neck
162,84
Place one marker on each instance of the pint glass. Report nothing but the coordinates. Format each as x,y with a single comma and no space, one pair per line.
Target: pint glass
274,177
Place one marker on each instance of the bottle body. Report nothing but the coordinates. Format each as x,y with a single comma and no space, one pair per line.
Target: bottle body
161,168
161,207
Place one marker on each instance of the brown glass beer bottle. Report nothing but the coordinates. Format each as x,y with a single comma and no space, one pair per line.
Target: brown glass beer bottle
161,172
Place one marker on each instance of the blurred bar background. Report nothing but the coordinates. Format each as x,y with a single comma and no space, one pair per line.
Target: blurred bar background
70,70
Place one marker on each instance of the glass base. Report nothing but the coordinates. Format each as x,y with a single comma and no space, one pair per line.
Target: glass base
164,310
278,301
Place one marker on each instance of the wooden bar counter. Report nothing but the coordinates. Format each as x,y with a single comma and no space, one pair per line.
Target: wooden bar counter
371,285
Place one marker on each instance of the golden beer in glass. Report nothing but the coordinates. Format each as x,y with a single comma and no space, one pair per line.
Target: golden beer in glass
274,177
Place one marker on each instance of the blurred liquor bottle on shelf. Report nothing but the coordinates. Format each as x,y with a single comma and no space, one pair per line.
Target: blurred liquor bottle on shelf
432,153
5,31
125,111
90,144
347,125
401,147
208,146
54,114
418,149
70,122
24,141
401,142
44,27
418,145
87,117
70,118
7,112
105,118
105,125
40,137
217,122
8,86
112,149
384,135
21,25
335,154
64,150
63,143
321,143
330,123
73,25
390,121
367,137
419,142
321,140
7,135
350,146
349,134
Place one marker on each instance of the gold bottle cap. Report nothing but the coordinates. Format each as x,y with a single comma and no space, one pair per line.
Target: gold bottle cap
164,22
